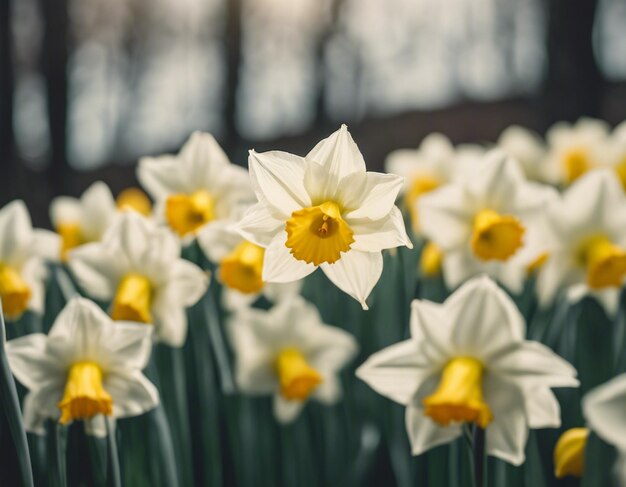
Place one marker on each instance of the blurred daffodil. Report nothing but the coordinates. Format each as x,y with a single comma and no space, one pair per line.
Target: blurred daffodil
574,149
288,352
23,253
528,149
324,210
137,266
569,453
604,409
197,190
467,362
134,199
84,369
240,269
585,237
485,222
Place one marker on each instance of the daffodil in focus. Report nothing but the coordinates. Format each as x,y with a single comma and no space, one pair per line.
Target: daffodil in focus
574,149
487,222
86,369
323,210
23,254
197,190
604,409
467,362
436,162
569,453
585,238
288,352
240,269
137,267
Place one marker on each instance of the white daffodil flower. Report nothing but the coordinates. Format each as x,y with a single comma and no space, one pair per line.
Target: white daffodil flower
23,253
84,220
436,162
86,368
585,237
604,409
288,352
574,149
324,210
487,222
137,266
527,148
467,362
196,191
240,269
618,153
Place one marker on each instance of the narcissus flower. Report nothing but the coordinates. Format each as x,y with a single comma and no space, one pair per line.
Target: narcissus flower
585,237
323,210
85,369
197,190
467,362
528,149
484,222
569,453
436,162
574,149
137,267
288,352
23,253
240,269
604,409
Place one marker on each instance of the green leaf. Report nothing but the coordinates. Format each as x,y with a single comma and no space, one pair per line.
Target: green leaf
599,462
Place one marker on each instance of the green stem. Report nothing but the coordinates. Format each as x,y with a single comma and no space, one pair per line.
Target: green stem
56,454
478,456
114,478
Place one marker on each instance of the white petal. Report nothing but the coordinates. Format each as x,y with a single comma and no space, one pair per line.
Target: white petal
356,273
329,391
542,408
96,269
369,195
202,159
280,266
34,272
96,426
259,226
338,154
217,239
604,408
46,244
130,236
506,435
286,411
129,346
387,233
170,322
98,211
395,372
484,318
16,233
446,216
551,277
161,176
424,433
432,330
132,393
278,181
30,363
64,209
186,284
40,405
532,363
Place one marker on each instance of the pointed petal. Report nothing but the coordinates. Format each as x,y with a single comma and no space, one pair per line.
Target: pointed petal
259,226
96,269
387,233
15,233
338,154
161,176
542,408
30,363
280,266
604,408
286,411
132,393
356,273
369,194
425,434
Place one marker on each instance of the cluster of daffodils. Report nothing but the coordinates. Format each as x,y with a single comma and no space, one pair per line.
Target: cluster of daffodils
513,242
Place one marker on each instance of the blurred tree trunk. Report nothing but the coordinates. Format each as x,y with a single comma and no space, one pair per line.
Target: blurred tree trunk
574,86
8,161
233,65
55,56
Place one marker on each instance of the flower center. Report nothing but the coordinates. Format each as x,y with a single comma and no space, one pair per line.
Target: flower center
459,397
430,260
187,213
420,185
569,453
242,269
134,199
71,237
133,300
14,292
605,262
495,236
84,396
576,162
297,378
318,234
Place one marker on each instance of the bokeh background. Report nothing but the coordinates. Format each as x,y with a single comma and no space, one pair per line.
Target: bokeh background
88,86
